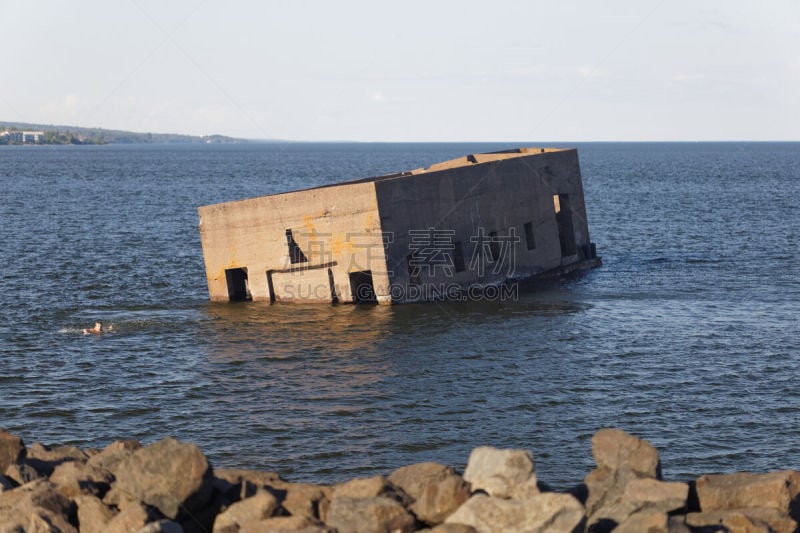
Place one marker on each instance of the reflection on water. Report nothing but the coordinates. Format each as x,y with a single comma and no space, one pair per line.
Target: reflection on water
337,389
285,330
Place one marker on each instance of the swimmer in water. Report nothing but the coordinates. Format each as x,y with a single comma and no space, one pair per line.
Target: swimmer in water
97,329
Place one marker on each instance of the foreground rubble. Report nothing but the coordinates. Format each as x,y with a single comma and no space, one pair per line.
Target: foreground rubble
170,487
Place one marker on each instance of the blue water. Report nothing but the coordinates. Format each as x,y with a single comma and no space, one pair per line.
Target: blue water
687,336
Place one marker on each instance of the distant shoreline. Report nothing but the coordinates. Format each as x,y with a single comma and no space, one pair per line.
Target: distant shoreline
52,134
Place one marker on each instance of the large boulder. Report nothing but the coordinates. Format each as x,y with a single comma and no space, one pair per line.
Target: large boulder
369,515
73,478
285,524
239,476
44,459
12,450
616,450
501,473
546,512
22,473
305,499
754,520
436,490
649,521
56,454
414,478
644,495
133,518
621,459
93,515
37,506
775,490
114,454
172,476
368,487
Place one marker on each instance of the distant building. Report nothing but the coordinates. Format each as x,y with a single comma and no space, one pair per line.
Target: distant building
454,229
25,137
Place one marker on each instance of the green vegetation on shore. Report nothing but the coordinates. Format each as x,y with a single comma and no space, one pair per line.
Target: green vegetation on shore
60,134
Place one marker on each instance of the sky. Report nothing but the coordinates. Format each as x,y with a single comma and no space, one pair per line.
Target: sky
567,71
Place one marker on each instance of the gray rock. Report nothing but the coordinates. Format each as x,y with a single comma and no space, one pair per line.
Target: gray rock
501,473
285,524
93,515
440,499
616,450
44,458
546,512
734,521
620,458
775,490
56,454
305,499
162,526
172,476
644,495
677,524
756,519
133,518
22,473
256,508
12,450
237,476
436,489
604,489
370,487
73,478
113,454
369,515
36,506
649,521
413,479
450,528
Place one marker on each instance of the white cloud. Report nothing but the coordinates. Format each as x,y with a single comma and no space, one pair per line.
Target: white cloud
379,97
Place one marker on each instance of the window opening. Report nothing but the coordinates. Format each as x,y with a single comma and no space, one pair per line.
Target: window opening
296,255
530,240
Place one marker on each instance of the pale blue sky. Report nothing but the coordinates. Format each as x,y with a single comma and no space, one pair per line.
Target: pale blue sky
408,71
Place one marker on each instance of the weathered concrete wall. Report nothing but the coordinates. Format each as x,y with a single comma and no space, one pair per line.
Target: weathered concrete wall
477,196
472,221
336,228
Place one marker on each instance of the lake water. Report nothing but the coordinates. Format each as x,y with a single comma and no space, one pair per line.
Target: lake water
687,336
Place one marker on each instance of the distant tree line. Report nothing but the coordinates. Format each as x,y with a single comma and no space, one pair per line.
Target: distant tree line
57,137
81,135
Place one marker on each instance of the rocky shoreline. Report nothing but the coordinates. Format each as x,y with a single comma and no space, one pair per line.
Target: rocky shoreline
170,487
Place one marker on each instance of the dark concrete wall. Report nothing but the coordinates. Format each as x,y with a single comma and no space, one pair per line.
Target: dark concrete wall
493,196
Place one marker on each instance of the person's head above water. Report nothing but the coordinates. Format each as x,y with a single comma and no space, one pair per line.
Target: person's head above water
98,327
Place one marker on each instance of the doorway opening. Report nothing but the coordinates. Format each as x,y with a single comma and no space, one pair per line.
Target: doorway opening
362,287
566,233
238,289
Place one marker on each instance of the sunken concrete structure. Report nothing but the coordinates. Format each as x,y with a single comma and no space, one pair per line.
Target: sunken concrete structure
459,229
